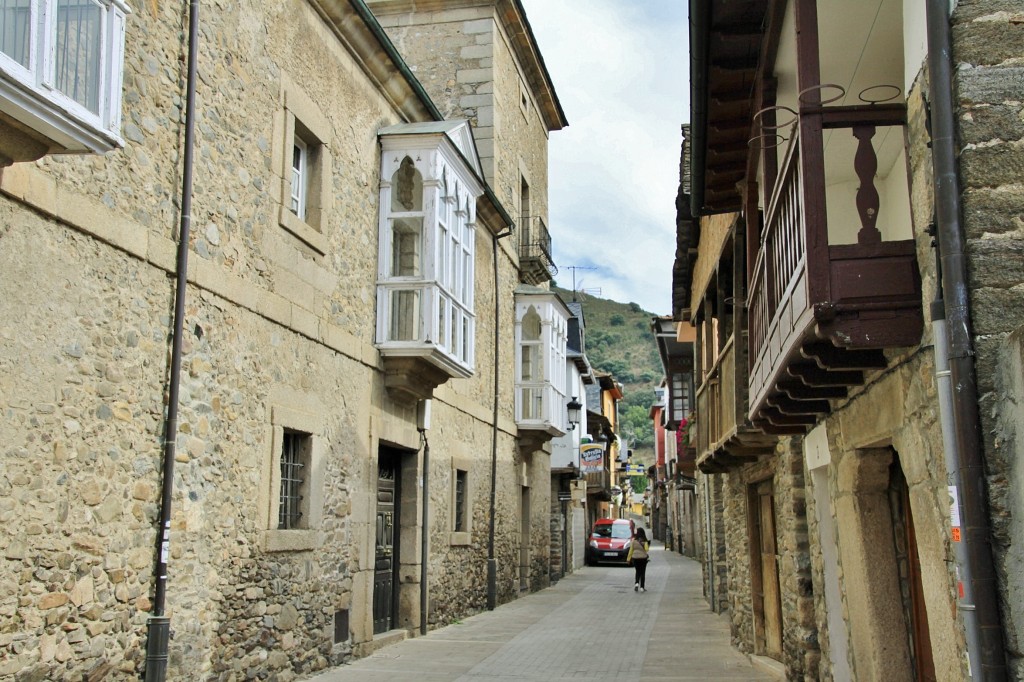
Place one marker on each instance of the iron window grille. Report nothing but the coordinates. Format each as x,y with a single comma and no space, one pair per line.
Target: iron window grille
293,474
460,501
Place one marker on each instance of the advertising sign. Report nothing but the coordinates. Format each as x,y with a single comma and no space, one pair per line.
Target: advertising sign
591,458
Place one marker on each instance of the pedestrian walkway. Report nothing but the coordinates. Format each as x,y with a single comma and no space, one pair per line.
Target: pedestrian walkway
590,625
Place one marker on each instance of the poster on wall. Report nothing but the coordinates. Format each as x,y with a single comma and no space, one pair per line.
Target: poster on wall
591,458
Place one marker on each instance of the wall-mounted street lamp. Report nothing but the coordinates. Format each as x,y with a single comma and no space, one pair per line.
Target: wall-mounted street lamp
573,408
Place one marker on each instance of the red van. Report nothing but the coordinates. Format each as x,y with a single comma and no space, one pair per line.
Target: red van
609,541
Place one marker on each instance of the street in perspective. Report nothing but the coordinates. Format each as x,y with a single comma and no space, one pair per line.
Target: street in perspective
357,340
591,625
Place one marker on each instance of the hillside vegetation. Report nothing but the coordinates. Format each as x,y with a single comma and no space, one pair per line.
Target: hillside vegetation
619,341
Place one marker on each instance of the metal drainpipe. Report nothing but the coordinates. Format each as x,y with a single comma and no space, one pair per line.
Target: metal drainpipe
967,423
159,626
709,545
492,567
424,540
944,384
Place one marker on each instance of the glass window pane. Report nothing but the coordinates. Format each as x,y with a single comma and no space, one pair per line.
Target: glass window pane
442,254
15,36
405,315
298,202
407,188
405,247
532,362
533,403
76,51
442,321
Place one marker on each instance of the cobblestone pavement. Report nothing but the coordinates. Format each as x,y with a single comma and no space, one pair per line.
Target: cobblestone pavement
590,625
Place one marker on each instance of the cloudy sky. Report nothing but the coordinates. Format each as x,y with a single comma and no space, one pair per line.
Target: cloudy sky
620,70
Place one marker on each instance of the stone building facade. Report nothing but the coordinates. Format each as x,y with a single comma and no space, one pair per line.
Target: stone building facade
854,574
280,353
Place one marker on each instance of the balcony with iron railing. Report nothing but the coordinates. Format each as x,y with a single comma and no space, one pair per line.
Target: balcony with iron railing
536,265
835,278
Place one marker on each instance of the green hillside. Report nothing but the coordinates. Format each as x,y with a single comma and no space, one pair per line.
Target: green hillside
619,341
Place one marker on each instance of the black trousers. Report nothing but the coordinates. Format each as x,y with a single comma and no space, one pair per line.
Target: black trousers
640,566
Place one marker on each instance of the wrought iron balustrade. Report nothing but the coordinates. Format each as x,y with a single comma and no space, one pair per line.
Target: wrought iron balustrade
535,262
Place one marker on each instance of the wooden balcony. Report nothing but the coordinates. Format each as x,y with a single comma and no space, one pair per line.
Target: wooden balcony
535,263
722,435
820,314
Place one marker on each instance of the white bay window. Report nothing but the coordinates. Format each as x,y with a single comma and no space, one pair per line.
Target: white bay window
425,316
541,339
60,74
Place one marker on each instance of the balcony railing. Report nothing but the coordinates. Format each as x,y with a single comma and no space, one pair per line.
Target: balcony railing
820,313
535,263
723,437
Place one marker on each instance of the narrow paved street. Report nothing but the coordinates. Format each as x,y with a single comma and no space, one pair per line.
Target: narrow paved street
590,625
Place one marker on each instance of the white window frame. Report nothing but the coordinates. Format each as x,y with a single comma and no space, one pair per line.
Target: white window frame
445,322
29,92
550,386
301,123
300,177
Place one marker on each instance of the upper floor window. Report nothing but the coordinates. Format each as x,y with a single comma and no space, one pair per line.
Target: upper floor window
425,281
60,70
542,322
305,168
300,178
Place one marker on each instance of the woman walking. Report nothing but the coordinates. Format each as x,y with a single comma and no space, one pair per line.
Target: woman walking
638,556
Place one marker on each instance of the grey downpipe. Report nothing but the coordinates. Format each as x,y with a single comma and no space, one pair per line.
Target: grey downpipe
965,588
424,540
159,626
708,546
492,567
967,422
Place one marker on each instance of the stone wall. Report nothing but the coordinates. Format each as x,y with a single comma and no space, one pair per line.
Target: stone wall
799,633
988,43
273,327
465,60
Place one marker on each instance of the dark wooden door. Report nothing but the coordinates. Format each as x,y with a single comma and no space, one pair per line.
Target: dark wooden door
910,571
386,555
765,571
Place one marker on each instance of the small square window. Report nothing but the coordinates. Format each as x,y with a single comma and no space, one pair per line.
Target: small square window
460,501
303,161
294,460
291,497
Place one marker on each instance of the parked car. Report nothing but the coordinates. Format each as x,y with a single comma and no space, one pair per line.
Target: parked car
609,541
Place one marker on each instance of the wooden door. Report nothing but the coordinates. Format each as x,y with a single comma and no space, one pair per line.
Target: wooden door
386,555
524,544
910,570
764,571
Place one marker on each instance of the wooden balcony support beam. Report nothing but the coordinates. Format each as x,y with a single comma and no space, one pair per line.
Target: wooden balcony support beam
814,376
798,390
788,406
775,417
768,427
832,358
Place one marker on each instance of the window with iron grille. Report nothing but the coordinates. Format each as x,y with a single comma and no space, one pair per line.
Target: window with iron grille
460,501
294,460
